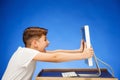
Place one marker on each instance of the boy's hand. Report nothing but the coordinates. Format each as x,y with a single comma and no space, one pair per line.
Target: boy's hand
88,52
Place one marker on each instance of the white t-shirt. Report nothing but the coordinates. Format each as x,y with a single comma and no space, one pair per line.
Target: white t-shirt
21,65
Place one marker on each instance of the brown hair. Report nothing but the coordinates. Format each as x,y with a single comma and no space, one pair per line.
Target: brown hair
33,32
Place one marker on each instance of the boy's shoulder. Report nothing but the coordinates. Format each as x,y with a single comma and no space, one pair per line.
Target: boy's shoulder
24,51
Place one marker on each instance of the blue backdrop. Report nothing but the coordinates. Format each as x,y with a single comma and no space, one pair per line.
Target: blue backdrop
63,19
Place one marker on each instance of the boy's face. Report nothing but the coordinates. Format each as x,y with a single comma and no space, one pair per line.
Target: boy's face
42,43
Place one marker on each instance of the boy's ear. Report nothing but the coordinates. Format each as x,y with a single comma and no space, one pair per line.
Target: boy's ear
34,43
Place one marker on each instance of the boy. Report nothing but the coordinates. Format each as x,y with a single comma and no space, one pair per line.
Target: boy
22,64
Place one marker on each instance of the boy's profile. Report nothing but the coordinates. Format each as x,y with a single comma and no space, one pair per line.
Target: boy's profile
22,64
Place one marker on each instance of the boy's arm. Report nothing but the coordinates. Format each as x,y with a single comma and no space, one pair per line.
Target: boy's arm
63,57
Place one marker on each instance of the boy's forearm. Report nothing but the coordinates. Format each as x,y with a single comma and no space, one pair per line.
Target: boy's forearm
62,57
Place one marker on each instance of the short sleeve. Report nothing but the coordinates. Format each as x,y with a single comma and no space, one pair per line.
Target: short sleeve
27,56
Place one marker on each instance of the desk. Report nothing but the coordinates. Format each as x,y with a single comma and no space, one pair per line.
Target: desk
55,74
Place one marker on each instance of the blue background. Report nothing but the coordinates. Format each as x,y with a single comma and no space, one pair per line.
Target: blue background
63,19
